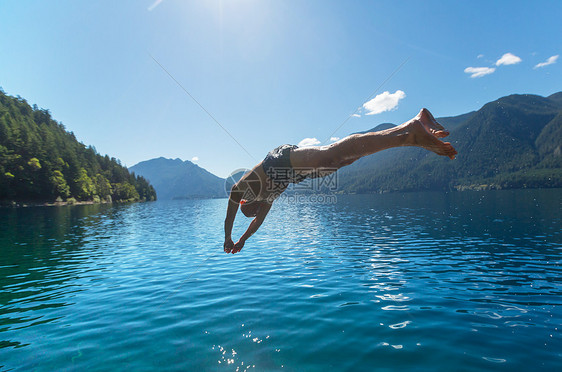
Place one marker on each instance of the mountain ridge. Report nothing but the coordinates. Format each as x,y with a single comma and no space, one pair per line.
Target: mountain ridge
512,142
499,146
179,179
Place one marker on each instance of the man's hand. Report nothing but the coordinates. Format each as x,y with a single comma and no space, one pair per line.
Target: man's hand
228,245
238,246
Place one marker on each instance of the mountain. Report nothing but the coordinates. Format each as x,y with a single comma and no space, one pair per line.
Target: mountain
556,97
512,142
177,179
41,162
452,122
378,128
449,122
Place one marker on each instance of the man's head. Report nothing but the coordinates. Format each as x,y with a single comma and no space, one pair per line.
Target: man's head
250,208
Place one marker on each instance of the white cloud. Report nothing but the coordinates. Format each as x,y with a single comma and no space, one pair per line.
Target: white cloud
477,72
307,142
549,61
154,5
195,158
334,139
480,56
356,115
508,59
383,102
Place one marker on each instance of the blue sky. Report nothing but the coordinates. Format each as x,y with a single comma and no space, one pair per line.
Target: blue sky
270,72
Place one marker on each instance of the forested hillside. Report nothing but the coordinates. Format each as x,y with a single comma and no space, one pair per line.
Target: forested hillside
42,162
513,142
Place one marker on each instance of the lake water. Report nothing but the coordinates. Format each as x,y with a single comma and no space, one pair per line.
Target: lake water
424,281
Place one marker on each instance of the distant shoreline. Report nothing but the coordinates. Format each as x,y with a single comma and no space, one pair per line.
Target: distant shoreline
14,204
472,188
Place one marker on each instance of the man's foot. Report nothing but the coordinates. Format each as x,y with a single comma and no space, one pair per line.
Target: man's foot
430,124
424,131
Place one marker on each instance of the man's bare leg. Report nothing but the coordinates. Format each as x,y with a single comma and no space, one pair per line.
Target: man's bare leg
421,131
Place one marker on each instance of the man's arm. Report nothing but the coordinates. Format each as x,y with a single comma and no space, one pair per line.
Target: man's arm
254,226
233,203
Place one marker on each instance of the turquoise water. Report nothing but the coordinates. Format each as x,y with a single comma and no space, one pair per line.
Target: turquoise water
424,281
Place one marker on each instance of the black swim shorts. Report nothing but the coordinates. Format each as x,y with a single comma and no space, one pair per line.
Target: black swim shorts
277,165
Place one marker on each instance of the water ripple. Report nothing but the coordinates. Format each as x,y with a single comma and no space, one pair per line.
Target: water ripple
400,281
